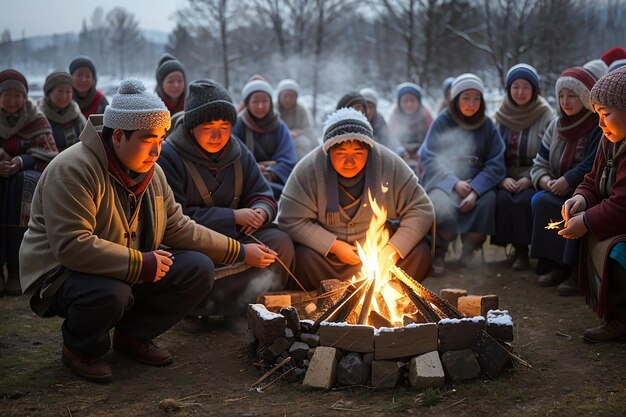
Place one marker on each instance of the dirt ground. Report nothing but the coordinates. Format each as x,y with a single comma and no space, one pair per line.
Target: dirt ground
212,373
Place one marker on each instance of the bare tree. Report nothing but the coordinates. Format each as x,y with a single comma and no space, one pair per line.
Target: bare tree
124,35
6,48
273,10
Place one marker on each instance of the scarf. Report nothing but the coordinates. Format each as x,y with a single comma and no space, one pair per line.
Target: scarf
61,116
267,124
572,128
173,106
88,104
187,147
28,122
134,182
333,215
467,123
518,118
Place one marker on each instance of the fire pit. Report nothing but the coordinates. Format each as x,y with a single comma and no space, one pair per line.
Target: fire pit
380,329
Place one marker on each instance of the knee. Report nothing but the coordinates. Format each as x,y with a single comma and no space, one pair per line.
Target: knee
111,299
197,271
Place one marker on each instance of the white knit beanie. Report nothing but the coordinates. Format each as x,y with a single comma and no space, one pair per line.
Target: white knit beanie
132,108
597,68
369,94
464,82
346,124
257,83
288,85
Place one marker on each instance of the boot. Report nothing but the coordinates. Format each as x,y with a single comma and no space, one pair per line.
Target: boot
92,368
521,262
194,324
569,287
13,287
556,275
140,350
612,330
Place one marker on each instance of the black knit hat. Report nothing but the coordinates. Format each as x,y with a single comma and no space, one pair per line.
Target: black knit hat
610,90
83,61
167,67
350,99
208,101
346,124
164,58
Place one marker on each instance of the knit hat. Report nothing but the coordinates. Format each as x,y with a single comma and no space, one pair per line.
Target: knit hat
83,61
464,82
580,81
10,78
616,64
132,108
409,88
610,90
597,68
256,83
208,101
164,58
350,99
288,85
346,124
524,72
167,67
369,94
57,77
613,54
447,83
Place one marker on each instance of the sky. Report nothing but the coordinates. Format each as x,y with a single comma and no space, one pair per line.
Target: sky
43,17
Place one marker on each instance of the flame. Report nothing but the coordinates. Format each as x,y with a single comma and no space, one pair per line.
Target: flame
554,225
377,269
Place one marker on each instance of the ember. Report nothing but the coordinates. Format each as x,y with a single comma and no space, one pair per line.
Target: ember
554,225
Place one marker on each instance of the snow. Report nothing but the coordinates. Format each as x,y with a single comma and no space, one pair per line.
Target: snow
342,324
476,319
264,313
499,318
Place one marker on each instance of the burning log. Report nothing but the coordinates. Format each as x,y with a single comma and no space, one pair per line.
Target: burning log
426,310
367,302
343,313
343,301
378,320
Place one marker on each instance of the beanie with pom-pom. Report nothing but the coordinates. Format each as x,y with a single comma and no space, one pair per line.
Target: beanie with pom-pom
133,108
347,124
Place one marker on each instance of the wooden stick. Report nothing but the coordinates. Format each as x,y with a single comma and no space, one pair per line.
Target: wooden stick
331,311
511,354
279,261
271,371
367,303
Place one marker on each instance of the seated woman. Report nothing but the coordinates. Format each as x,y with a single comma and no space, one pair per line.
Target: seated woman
566,154
325,207
462,162
597,213
267,137
26,147
215,179
89,99
61,110
296,116
171,83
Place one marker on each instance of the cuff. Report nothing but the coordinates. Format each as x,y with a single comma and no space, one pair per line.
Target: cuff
148,267
27,161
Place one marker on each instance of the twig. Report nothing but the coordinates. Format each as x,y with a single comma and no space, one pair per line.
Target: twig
271,371
455,403
263,388
69,412
279,261
511,354
564,335
195,396
230,400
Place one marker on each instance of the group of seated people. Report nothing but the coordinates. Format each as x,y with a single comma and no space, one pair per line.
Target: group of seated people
147,215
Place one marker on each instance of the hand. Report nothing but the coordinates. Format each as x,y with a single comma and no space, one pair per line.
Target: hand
573,206
250,219
543,182
509,184
468,203
463,188
388,255
345,252
574,227
559,187
523,184
9,168
266,164
163,263
259,256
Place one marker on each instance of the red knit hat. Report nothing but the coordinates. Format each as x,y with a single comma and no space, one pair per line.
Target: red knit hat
613,54
580,81
11,78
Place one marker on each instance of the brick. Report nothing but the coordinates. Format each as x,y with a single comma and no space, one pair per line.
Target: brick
322,371
399,342
310,339
451,295
352,370
460,365
291,315
298,351
457,334
491,356
477,305
350,337
500,325
386,374
275,301
265,325
426,371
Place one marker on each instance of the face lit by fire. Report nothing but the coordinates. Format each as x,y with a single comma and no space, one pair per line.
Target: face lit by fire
212,136
349,158
140,152
469,102
612,122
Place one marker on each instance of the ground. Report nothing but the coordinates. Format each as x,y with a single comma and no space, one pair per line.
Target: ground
212,373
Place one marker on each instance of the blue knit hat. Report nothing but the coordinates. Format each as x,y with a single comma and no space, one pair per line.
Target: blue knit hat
132,108
523,72
447,84
409,88
466,81
617,64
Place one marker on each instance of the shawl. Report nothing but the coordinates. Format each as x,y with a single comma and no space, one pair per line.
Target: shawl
267,124
62,116
518,118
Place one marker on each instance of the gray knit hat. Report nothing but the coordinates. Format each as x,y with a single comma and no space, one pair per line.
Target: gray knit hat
208,101
254,84
370,95
288,85
132,108
610,90
55,78
166,68
346,124
597,68
83,61
467,81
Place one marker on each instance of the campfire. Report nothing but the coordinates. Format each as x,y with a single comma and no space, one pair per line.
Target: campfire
378,326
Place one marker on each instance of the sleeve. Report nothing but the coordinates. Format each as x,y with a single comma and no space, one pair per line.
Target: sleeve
575,175
256,191
285,155
541,163
587,188
494,169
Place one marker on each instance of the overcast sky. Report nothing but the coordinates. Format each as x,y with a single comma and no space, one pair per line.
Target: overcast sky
42,17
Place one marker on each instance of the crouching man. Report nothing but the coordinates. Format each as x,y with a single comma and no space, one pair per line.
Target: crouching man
100,214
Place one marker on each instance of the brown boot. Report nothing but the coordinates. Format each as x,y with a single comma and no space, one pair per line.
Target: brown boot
552,278
13,287
92,368
141,350
569,287
612,330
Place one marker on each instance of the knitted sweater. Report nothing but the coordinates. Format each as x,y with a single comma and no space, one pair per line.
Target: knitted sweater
302,207
77,221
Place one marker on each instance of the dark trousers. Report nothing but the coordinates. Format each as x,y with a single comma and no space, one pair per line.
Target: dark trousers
514,219
92,305
312,267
